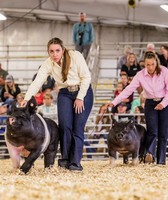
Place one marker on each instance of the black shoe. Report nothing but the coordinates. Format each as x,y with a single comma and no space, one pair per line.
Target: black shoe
63,163
74,167
161,163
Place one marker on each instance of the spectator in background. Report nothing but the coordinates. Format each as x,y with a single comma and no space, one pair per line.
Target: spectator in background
121,85
54,93
10,90
140,101
83,35
3,74
119,89
48,109
3,111
124,80
39,98
102,119
163,57
141,64
122,109
131,67
123,59
149,47
19,99
139,119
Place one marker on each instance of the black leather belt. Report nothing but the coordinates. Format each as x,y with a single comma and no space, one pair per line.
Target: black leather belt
156,99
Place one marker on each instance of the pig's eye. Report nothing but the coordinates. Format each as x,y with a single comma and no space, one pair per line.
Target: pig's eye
125,131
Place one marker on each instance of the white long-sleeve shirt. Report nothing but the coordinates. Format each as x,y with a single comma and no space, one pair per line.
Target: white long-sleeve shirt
78,74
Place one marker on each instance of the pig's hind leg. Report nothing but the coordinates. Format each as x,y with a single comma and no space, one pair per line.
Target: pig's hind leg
135,157
49,159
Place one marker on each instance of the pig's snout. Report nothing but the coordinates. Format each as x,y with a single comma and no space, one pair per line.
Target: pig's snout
120,135
11,120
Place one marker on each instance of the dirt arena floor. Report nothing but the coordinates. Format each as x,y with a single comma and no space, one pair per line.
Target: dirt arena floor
98,181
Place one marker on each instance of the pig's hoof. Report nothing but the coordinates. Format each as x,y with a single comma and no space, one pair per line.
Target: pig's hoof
135,162
112,162
24,170
21,172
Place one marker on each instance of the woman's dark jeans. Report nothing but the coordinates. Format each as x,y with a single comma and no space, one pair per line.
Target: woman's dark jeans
157,130
72,125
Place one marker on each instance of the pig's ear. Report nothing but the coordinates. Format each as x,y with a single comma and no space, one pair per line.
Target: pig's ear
131,122
12,107
114,122
32,105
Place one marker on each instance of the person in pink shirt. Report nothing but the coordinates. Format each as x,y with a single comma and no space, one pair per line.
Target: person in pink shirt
154,81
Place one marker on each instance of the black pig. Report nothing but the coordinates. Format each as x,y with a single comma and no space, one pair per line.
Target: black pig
30,134
126,138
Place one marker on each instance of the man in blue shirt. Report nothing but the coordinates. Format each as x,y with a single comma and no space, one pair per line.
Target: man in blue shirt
83,34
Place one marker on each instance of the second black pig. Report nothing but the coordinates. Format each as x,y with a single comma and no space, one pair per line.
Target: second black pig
126,138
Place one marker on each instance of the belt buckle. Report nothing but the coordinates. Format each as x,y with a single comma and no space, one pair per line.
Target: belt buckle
73,88
157,99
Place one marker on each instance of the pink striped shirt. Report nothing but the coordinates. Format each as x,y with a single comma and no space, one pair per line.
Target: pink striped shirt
153,87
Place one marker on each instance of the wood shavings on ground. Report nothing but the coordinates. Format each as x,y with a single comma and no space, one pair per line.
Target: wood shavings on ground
97,181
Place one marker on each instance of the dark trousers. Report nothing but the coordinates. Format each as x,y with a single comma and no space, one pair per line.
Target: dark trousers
84,49
157,131
72,125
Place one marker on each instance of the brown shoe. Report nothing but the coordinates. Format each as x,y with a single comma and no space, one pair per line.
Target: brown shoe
149,158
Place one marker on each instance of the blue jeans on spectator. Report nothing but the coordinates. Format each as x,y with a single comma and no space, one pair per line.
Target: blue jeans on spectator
157,130
72,125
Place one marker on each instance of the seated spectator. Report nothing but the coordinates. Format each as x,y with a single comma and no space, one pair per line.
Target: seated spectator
19,99
120,86
54,93
39,98
3,118
123,59
48,109
122,109
141,64
103,124
124,80
131,67
10,90
3,74
163,57
103,118
149,47
3,110
140,101
119,89
139,119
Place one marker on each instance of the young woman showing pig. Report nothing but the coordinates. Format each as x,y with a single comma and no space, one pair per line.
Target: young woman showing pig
75,98
154,81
